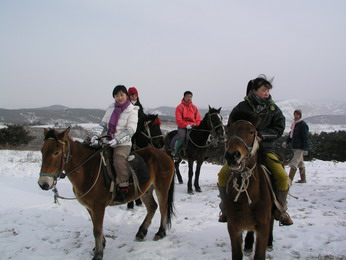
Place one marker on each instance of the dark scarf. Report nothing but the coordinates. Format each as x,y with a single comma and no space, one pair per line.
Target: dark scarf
113,121
260,104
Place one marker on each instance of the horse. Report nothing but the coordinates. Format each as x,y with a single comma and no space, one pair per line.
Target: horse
209,132
82,165
249,200
148,133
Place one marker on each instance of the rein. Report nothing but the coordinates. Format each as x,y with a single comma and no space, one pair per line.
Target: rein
148,135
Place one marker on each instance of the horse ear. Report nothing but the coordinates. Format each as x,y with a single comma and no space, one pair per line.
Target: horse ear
45,131
219,110
66,132
209,107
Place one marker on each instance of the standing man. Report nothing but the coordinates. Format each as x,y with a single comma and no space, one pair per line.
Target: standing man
186,117
299,138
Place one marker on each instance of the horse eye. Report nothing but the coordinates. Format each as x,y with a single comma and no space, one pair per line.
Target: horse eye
56,153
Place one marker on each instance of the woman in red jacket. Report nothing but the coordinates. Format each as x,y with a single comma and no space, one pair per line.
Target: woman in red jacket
186,116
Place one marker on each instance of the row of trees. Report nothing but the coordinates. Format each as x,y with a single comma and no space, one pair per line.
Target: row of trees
14,136
323,146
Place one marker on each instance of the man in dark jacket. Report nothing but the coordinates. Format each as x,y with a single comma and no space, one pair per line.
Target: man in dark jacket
299,139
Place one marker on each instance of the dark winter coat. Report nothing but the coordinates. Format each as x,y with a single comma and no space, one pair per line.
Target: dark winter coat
300,139
271,120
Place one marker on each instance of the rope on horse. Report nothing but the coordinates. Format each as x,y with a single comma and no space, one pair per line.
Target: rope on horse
55,190
245,177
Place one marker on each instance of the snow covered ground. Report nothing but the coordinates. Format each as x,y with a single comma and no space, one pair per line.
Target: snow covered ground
33,227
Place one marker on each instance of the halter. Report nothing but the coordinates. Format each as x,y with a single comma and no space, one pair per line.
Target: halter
247,172
148,134
212,132
60,174
64,160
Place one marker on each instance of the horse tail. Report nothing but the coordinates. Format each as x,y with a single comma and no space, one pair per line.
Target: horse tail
170,202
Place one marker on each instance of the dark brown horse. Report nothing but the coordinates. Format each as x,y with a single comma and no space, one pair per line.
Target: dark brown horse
82,165
148,132
209,132
249,200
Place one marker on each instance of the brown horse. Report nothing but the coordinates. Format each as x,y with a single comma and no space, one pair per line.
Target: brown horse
82,165
249,201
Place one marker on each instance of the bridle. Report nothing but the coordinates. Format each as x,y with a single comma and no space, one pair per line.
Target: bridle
211,140
149,136
65,158
246,172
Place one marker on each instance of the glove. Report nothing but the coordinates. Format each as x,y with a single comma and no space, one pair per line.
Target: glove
112,143
94,140
284,145
188,126
305,153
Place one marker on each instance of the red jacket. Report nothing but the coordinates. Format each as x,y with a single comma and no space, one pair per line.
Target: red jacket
187,114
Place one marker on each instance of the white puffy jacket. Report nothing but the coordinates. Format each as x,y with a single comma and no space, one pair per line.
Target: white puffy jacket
126,127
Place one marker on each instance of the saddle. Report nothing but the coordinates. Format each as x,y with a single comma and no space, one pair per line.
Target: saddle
137,169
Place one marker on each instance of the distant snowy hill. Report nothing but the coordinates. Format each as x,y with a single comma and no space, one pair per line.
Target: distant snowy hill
320,116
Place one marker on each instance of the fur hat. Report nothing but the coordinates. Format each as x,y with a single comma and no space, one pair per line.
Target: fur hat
298,111
133,91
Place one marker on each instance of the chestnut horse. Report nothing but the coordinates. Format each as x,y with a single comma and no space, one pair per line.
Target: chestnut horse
82,165
249,201
209,132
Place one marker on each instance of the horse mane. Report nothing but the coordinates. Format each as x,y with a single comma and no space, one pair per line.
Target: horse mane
155,120
50,134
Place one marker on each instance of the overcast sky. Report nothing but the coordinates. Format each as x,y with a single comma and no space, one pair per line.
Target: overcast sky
73,52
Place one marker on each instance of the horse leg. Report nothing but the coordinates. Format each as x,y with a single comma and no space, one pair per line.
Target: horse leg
151,206
177,171
162,197
270,239
97,215
189,183
249,240
262,236
236,242
198,171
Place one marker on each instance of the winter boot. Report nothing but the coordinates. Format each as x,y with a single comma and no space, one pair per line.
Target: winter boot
222,195
177,147
302,176
292,173
283,217
121,194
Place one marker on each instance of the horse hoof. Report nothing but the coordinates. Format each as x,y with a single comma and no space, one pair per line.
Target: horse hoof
198,189
270,248
141,235
159,236
98,257
180,181
247,252
190,191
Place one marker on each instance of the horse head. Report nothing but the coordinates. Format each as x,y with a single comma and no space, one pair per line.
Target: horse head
55,154
217,130
242,144
149,128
